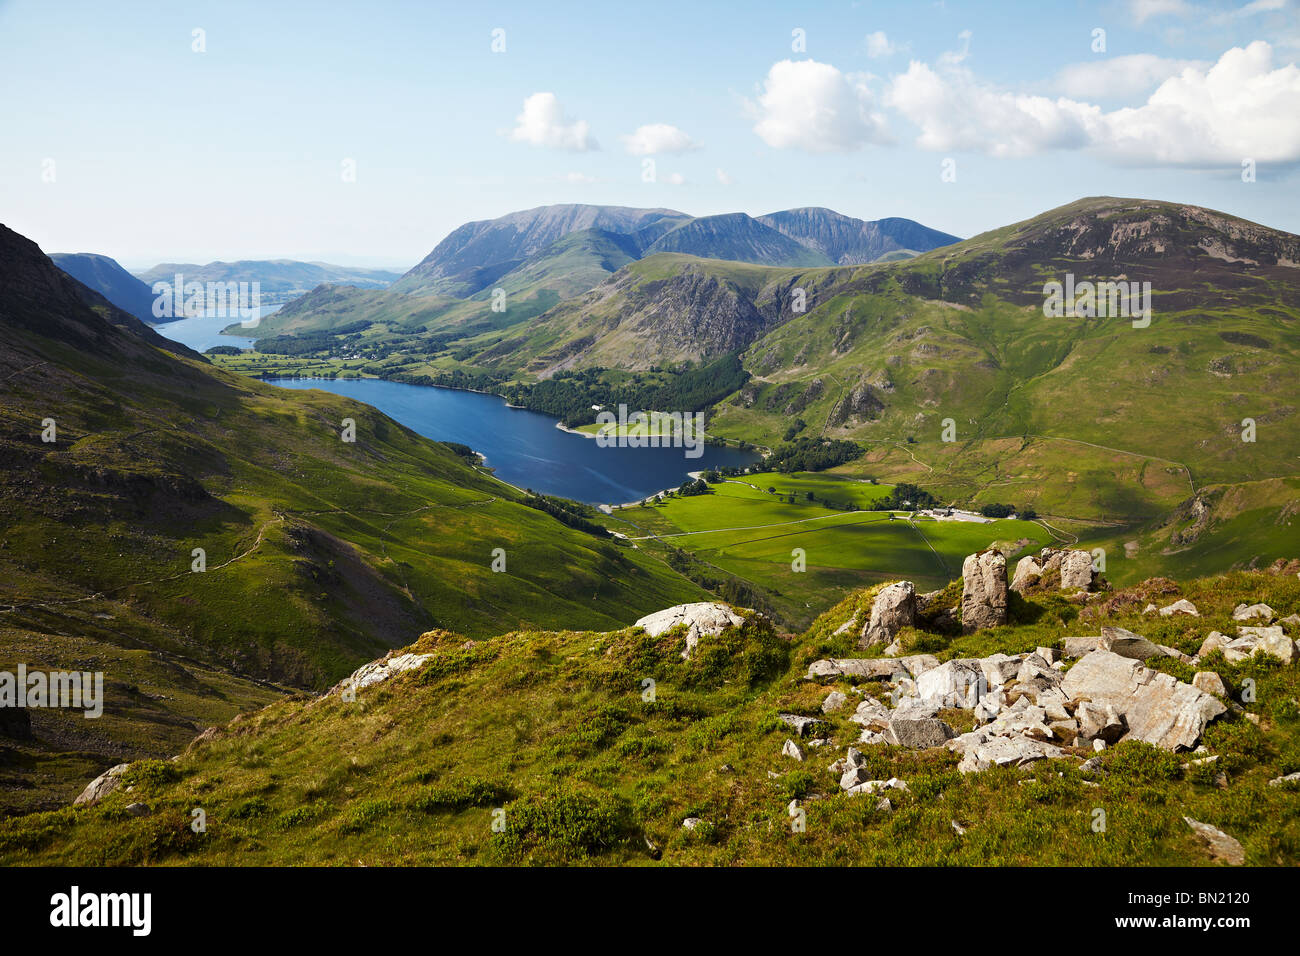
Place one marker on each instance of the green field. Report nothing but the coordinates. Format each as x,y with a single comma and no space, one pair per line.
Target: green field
747,531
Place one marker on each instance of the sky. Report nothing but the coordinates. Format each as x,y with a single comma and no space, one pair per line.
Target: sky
362,133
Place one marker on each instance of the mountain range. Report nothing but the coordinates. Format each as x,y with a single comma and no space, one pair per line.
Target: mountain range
1127,437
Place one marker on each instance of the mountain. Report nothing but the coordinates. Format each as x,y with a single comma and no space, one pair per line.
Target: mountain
478,253
737,237
848,241
110,280
318,553
1129,436
278,277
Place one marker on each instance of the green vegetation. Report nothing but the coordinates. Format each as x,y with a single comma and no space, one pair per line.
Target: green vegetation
555,730
746,532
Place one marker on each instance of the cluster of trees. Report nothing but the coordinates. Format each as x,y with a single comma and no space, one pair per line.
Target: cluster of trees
567,512
996,510
308,343
906,497
731,589
812,454
695,486
570,395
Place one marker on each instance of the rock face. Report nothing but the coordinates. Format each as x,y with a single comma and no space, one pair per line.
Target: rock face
701,619
101,786
983,591
893,609
1155,707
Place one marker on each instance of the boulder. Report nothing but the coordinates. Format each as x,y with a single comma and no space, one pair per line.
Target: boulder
1214,641
803,726
1028,571
1222,847
870,668
791,750
983,591
893,609
870,711
1156,707
980,751
1181,606
1260,640
916,708
1249,612
1099,721
1078,646
833,702
957,678
137,809
1076,570
702,619
1283,781
101,786
1000,668
918,734
381,670
1127,644
1210,683
875,786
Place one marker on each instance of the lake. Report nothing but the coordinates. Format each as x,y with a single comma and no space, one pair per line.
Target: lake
525,448
202,332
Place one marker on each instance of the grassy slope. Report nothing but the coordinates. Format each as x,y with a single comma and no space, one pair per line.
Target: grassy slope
320,554
744,530
553,728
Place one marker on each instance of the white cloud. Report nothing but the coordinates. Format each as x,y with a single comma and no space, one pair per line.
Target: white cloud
657,138
578,178
675,179
1120,75
1249,10
724,177
1144,10
543,123
878,44
1240,107
813,106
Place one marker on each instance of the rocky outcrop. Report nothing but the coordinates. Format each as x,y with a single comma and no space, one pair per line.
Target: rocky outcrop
381,670
702,619
1221,846
1156,707
1260,640
983,591
1028,572
101,786
893,609
870,668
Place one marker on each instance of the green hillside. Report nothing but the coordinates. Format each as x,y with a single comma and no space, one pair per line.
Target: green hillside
548,747
319,553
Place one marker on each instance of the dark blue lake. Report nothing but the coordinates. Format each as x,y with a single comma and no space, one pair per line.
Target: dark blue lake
525,448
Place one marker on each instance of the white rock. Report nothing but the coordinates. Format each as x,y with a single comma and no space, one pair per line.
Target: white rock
1181,606
101,786
1156,707
791,750
1249,612
704,618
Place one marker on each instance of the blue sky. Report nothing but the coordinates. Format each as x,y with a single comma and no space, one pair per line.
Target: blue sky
163,153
